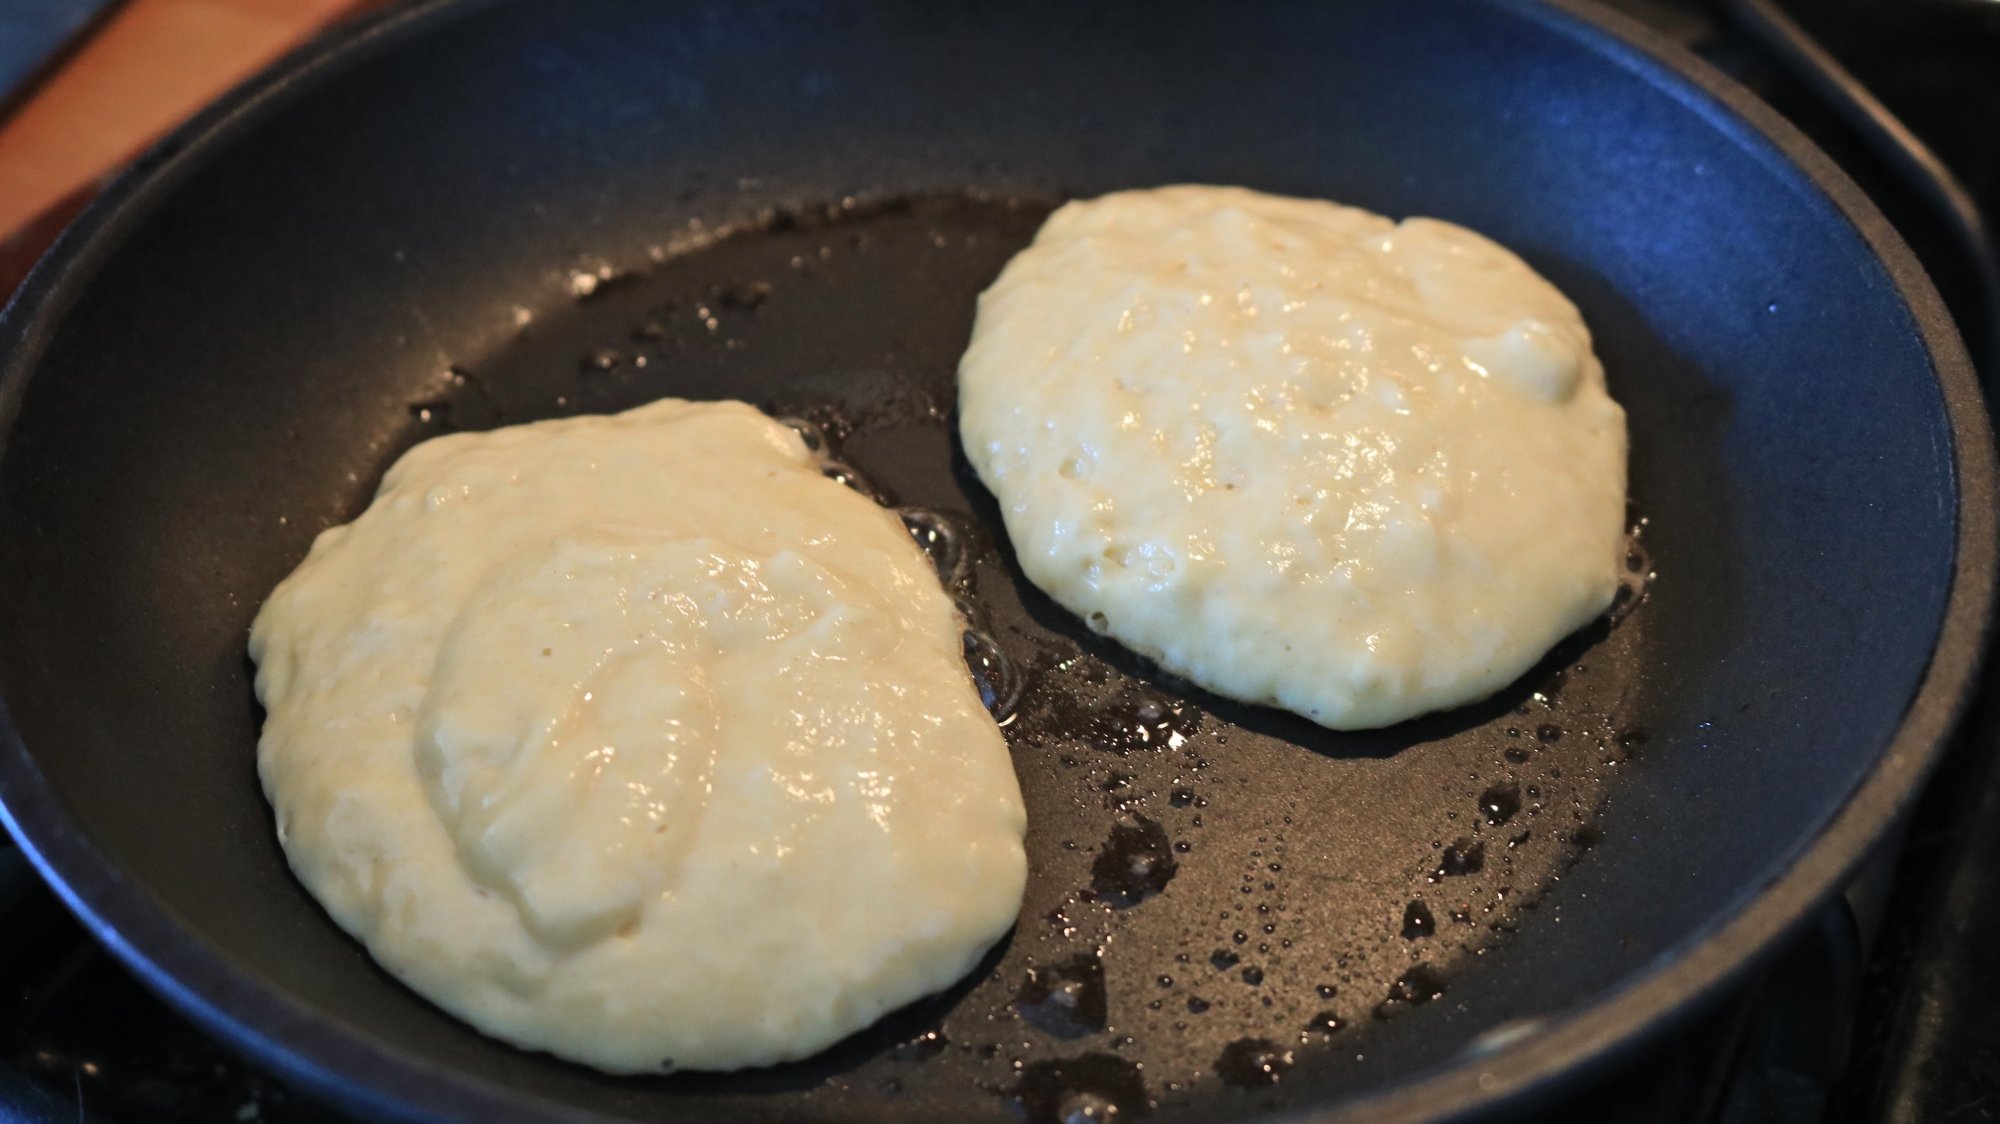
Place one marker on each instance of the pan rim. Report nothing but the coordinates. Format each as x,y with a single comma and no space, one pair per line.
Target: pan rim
345,1063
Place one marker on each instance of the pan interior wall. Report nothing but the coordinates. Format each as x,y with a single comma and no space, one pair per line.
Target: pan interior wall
500,219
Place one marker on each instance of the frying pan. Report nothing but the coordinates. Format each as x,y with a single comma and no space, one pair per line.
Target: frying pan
467,214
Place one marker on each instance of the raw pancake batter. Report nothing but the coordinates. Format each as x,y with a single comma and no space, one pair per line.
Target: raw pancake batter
1296,452
637,740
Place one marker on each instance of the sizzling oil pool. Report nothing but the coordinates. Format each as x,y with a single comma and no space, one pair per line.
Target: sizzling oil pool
1225,903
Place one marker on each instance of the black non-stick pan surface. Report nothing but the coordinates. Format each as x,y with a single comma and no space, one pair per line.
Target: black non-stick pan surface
467,215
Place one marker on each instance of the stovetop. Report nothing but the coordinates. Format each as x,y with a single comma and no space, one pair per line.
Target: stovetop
1883,1010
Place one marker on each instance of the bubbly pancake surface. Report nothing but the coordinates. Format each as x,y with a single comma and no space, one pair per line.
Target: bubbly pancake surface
636,739
1297,452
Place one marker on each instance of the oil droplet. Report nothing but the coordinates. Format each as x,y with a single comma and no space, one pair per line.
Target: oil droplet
1223,959
1500,802
1417,921
1090,1089
435,412
1061,921
1548,733
583,283
1637,558
1638,575
1418,986
1322,1027
1136,863
1254,976
1065,1000
1464,856
1552,689
1252,1063
941,540
993,673
598,361
810,433
1516,754
1086,1107
1622,604
1136,719
922,1048
1197,1005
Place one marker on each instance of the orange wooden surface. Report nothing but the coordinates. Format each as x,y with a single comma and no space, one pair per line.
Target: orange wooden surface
147,68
